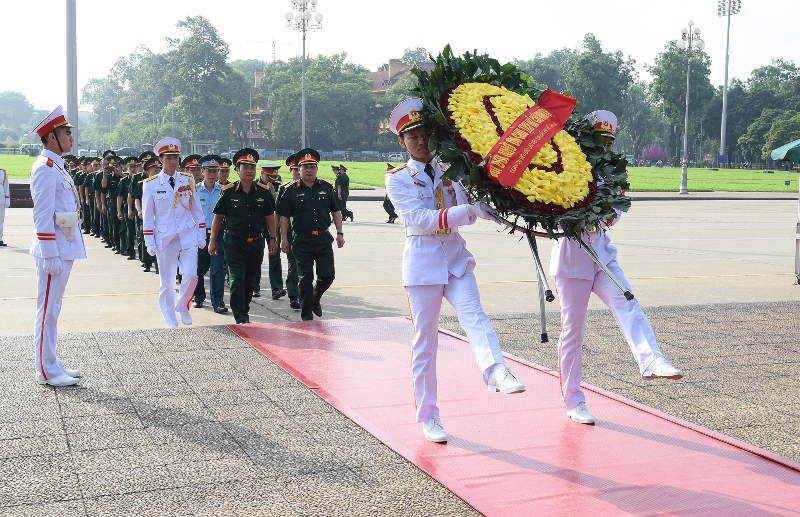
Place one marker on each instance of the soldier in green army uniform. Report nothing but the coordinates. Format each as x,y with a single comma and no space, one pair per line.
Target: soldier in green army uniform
151,166
241,212
91,200
309,204
114,223
224,172
343,191
292,277
127,228
270,178
100,194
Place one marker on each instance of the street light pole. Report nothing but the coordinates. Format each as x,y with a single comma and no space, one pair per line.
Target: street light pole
690,38
72,70
302,22
726,8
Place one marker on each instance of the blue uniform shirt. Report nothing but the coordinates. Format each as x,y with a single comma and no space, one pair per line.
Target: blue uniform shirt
207,200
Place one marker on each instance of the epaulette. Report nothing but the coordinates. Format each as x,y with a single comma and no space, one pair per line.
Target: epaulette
149,179
325,181
49,162
398,168
262,185
287,183
229,185
187,174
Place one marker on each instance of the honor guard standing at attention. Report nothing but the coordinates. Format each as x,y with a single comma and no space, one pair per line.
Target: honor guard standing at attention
57,243
342,185
388,207
208,192
127,227
271,179
577,276
309,204
114,222
174,229
436,265
243,209
151,166
292,276
5,200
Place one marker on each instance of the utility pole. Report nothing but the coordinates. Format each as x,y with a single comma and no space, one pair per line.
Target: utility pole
72,70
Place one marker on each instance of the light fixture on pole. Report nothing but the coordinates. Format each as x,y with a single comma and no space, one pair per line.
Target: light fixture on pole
690,43
300,18
726,8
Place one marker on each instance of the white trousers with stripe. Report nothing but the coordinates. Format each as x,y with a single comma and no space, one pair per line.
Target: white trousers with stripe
573,296
2,219
425,302
48,307
171,261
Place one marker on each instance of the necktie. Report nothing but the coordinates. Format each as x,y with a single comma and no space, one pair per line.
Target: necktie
172,182
429,171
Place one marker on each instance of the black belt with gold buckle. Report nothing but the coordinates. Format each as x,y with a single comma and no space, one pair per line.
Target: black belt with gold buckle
246,239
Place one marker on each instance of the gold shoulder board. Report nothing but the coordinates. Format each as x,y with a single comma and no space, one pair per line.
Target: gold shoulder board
229,185
149,179
398,168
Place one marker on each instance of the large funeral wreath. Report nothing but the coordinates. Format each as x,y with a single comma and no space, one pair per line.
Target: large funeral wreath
570,185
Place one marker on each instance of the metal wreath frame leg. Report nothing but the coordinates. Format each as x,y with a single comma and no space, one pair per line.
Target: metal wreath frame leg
544,288
627,294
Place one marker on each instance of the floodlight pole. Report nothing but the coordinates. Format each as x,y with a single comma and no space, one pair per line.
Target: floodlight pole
302,22
690,40
72,70
726,8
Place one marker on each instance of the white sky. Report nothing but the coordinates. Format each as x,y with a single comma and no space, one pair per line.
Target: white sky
33,34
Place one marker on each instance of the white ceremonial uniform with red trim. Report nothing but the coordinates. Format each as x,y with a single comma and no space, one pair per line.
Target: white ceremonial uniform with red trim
577,277
5,198
436,267
173,222
52,190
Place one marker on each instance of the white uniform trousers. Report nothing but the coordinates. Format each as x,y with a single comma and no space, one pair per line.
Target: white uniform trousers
425,302
573,296
171,261
2,219
48,307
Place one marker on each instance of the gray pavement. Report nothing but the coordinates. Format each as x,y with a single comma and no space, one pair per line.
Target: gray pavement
195,422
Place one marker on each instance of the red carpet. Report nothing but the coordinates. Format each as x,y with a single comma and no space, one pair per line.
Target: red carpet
519,455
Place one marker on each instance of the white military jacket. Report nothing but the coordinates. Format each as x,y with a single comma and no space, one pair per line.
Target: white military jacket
568,260
53,190
5,189
167,212
427,208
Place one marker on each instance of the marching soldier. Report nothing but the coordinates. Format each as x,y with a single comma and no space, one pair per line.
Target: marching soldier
224,171
151,166
56,244
343,191
292,277
309,204
174,229
208,192
243,209
388,207
270,178
577,276
437,265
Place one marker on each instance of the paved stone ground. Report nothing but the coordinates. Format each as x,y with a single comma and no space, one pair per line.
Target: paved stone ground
741,364
190,422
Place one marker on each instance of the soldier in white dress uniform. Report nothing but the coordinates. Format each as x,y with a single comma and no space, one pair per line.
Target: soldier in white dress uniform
5,200
56,243
577,276
436,265
174,229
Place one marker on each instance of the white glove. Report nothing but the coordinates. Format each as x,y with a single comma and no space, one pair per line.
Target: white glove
201,245
52,266
483,211
151,250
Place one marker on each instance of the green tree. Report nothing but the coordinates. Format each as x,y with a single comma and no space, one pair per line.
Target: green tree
781,132
16,111
752,142
643,123
415,55
599,80
545,71
248,67
669,87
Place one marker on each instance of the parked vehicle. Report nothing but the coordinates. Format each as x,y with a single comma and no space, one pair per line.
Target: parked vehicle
126,151
30,149
396,157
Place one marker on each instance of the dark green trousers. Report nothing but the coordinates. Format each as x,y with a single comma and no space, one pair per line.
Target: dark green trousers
308,251
275,269
292,278
244,260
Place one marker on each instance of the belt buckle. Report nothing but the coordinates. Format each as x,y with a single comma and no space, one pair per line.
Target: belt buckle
314,232
443,232
208,231
249,239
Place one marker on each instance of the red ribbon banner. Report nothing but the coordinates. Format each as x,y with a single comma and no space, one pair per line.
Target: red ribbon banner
519,144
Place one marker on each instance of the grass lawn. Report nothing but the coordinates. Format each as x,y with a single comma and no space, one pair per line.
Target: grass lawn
642,179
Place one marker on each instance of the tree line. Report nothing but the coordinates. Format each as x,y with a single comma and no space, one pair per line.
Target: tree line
194,92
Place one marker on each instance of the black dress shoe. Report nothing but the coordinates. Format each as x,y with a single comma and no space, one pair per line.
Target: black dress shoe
221,310
294,304
317,310
277,294
256,294
117,252
108,245
198,305
3,243
147,268
132,256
